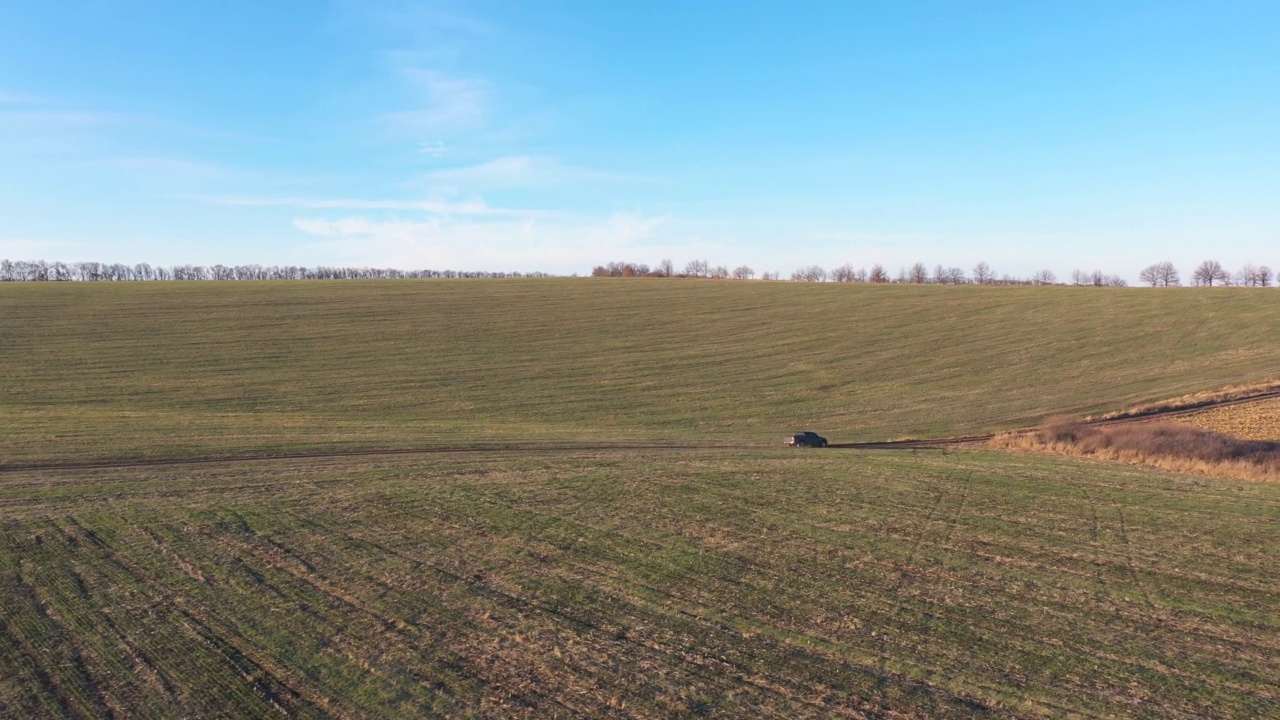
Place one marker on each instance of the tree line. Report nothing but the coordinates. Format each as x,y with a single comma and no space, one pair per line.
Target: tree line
919,273
1162,274
1208,274
40,271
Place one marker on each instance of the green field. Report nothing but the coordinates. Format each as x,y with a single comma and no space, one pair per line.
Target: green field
729,580
106,370
639,584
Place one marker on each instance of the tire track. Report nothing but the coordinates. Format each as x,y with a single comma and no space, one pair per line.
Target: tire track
515,448
1128,559
905,576
528,449
710,669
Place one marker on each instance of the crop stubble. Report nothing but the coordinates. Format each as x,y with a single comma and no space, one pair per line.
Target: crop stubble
1251,421
638,584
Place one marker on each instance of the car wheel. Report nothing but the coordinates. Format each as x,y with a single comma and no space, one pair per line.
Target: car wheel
822,444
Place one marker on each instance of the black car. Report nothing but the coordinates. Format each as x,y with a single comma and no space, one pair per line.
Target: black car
806,439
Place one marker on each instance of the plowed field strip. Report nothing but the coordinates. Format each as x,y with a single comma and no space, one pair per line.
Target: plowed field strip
230,675
1033,642
652,585
620,601
532,608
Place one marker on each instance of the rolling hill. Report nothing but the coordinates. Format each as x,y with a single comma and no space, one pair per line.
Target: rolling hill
102,370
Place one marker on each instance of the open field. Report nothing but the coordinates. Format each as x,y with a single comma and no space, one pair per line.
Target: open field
730,581
639,584
106,370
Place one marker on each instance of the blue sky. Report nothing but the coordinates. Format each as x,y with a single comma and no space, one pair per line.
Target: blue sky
559,135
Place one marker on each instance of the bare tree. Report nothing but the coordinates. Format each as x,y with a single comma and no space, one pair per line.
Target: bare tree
842,274
1044,277
1210,272
697,268
918,274
878,274
1162,274
1097,278
813,273
613,269
1254,276
982,274
665,268
742,272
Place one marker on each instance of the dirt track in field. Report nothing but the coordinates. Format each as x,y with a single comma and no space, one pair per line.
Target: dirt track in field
1144,417
905,444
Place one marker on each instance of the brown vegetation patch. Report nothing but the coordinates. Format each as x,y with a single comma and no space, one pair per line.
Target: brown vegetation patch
1252,421
1228,394
1166,445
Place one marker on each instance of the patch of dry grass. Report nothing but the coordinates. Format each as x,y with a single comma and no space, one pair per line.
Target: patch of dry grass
1194,400
1166,445
1251,421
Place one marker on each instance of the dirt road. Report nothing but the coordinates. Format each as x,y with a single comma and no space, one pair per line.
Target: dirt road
907,444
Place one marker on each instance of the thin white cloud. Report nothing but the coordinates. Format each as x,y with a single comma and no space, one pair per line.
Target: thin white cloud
420,22
170,166
16,98
50,119
27,248
448,103
430,21
433,149
512,172
563,245
15,248
465,208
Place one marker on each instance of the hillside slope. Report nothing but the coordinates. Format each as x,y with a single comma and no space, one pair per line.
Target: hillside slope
125,370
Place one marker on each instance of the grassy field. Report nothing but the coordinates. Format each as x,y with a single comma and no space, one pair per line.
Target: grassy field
639,584
104,370
731,580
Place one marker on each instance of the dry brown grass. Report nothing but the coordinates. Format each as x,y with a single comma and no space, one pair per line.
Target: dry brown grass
1170,446
1194,400
1251,421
